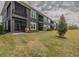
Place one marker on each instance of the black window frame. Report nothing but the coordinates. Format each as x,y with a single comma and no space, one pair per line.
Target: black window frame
20,9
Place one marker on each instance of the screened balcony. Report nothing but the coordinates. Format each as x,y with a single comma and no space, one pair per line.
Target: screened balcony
20,10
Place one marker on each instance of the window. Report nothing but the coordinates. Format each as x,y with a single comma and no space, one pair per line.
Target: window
20,24
45,19
33,14
40,18
48,26
45,27
33,26
20,9
48,20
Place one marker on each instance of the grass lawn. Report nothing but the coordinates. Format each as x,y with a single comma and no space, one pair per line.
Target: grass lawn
39,44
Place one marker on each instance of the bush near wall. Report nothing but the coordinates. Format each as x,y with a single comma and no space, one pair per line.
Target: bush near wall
1,29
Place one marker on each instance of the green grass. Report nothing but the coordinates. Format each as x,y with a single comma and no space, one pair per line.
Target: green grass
39,44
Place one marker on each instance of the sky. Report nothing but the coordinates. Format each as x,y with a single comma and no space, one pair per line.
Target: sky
54,9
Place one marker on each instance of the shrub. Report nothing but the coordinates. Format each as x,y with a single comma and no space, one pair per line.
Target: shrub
73,27
1,29
62,26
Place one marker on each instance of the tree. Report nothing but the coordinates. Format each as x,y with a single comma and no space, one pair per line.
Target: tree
73,27
62,26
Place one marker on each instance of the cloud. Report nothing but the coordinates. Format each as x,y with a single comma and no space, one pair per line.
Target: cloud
55,9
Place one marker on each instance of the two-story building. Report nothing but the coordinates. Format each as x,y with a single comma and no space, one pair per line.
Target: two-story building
18,16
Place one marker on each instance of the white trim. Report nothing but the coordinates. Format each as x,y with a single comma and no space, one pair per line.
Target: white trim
32,24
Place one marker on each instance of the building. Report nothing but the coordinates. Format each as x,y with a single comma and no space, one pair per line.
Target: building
20,17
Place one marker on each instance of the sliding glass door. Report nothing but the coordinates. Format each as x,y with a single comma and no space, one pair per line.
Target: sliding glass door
20,26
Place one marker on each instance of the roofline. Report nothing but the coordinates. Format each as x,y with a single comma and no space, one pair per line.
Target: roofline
35,9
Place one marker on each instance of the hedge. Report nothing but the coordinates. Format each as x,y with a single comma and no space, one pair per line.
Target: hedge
1,29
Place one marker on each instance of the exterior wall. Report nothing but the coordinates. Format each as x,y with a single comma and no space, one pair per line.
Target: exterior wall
8,18
5,18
